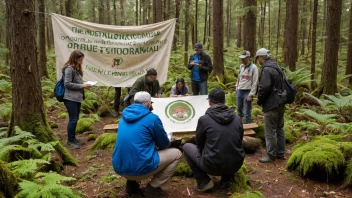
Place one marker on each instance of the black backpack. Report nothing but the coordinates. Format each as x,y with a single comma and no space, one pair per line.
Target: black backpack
287,88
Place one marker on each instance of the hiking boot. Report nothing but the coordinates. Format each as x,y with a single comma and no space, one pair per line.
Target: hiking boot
73,145
150,191
225,185
280,157
132,187
79,142
204,186
266,159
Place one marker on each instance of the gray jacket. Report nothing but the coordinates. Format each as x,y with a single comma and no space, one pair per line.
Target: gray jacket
248,79
73,85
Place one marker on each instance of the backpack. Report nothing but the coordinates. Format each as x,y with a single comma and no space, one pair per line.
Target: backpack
287,88
59,90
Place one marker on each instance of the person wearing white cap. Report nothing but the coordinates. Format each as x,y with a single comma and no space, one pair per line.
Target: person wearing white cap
273,103
246,86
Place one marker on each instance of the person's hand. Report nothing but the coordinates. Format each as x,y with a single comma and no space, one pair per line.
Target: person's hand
86,86
192,63
249,98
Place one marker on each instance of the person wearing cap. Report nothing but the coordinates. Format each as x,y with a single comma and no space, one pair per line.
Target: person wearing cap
200,66
147,83
179,89
135,156
273,106
219,148
246,86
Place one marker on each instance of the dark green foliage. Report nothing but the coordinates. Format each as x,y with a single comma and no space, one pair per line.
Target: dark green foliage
291,134
104,141
249,194
241,181
260,132
92,137
8,181
183,169
84,124
53,125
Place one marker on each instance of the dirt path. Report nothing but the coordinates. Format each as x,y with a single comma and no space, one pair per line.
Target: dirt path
96,178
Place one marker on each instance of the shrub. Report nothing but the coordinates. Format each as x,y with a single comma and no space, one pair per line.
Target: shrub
104,141
84,124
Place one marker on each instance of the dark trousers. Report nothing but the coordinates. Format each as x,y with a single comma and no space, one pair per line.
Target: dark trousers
117,99
73,109
200,87
200,171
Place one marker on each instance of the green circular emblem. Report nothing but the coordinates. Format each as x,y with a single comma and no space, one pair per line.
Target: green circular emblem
180,111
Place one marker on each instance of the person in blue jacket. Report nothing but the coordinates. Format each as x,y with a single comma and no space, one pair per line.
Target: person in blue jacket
135,155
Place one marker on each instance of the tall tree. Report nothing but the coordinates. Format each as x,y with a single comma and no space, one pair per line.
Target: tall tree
177,28
196,23
42,51
62,7
185,57
157,11
228,18
303,26
108,18
218,40
68,7
239,32
27,101
115,12
93,11
145,12
122,12
209,23
349,53
249,29
137,9
278,28
291,27
269,27
101,12
205,22
314,43
329,72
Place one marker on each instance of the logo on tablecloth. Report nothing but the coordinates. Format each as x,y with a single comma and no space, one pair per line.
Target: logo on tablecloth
180,111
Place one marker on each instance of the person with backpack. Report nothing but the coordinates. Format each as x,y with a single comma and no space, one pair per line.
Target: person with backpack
74,94
246,86
272,98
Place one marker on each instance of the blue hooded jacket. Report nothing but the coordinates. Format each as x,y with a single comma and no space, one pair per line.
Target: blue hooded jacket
139,132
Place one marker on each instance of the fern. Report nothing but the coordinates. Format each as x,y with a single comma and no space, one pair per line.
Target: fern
5,111
340,101
321,119
47,185
26,168
321,102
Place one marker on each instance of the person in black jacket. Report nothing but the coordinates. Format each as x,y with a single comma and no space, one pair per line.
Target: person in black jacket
219,148
273,103
200,66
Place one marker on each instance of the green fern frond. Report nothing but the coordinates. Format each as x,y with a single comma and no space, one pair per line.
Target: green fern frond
5,111
340,101
16,138
321,119
26,168
338,127
40,146
321,102
220,83
52,178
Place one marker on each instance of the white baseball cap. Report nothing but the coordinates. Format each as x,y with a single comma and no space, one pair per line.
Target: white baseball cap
262,52
245,54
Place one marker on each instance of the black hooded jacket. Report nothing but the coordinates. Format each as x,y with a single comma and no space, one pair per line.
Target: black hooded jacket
270,84
219,136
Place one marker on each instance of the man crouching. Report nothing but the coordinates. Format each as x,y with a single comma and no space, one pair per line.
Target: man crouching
135,156
219,148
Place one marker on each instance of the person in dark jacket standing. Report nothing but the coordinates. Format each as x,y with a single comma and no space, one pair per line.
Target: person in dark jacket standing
219,148
135,155
273,104
74,94
200,66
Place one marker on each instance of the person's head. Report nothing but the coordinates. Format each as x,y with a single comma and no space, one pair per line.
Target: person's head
143,98
180,83
262,55
198,47
76,61
216,96
245,56
152,74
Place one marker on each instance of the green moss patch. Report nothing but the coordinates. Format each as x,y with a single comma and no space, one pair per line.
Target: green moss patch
183,169
348,175
84,124
291,134
63,115
260,132
250,194
256,112
53,125
104,141
92,137
241,181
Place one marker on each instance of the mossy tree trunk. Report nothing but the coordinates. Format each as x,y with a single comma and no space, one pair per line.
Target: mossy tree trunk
27,102
8,182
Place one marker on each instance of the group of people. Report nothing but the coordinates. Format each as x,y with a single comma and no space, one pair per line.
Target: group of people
142,148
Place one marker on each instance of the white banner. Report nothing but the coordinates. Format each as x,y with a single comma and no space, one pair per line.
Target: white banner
180,114
135,49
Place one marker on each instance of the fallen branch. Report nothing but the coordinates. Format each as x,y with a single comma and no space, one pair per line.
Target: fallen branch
289,191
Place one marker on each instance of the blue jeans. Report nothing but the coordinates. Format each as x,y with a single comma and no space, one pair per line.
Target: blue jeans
244,106
200,86
73,109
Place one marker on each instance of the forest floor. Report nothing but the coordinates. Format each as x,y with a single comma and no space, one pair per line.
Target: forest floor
96,177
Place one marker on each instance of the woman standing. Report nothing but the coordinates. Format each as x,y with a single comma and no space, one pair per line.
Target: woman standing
74,94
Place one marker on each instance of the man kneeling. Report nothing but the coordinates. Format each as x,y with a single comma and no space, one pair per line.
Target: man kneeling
135,156
219,148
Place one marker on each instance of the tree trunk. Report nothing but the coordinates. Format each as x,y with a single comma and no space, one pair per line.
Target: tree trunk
27,101
291,26
42,51
210,23
314,44
150,15
239,32
68,4
93,11
145,12
310,27
185,57
8,181
249,29
269,27
164,9
303,27
349,53
228,8
169,12
115,13
108,18
101,12
157,11
218,40
205,22
137,12
62,7
278,29
177,28
122,12
49,37
329,72
196,24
